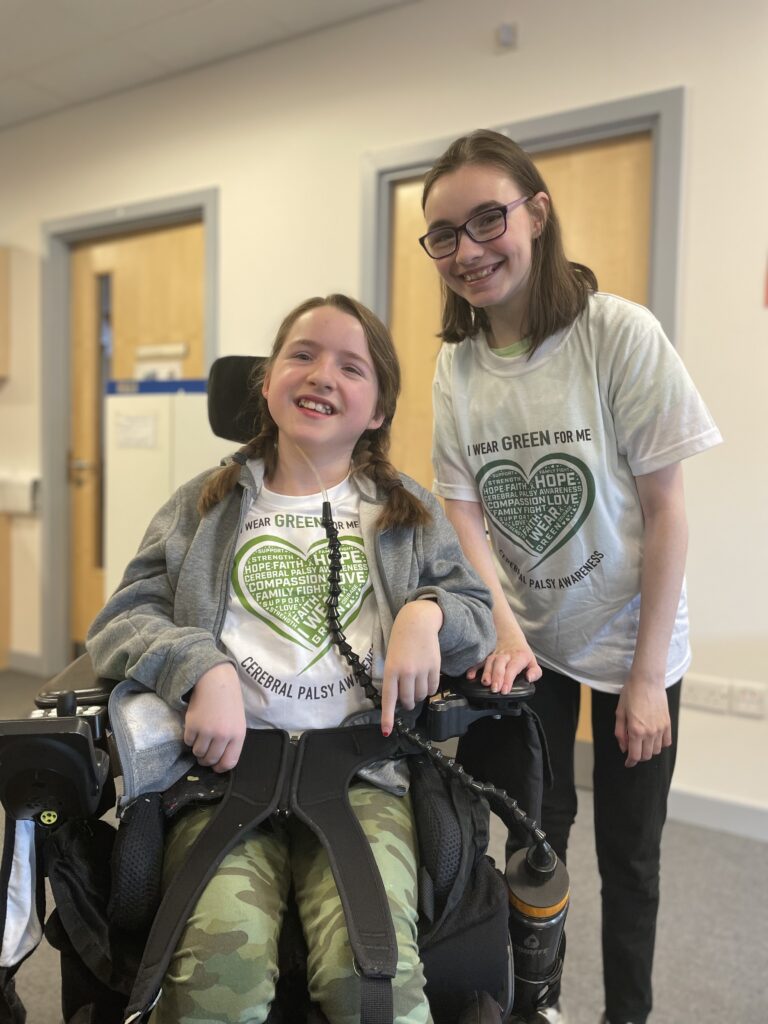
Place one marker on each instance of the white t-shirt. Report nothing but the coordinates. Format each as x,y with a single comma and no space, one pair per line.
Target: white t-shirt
550,446
276,624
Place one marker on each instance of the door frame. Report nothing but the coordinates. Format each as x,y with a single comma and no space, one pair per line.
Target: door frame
661,113
58,238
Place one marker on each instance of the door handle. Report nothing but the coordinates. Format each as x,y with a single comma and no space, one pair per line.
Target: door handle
78,468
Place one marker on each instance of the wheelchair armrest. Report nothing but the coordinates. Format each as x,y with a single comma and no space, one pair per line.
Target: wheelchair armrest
463,701
479,696
79,678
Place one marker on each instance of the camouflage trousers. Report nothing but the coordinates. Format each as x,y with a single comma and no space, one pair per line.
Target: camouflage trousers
225,965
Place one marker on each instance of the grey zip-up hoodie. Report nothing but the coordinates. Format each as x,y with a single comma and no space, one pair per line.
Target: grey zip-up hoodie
162,626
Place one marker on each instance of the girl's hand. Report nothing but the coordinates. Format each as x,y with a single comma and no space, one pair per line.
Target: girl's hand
511,657
643,727
412,665
642,716
214,726
512,654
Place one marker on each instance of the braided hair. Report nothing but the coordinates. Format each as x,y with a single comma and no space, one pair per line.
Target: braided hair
370,456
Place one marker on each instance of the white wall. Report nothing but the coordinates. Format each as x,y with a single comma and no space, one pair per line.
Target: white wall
283,135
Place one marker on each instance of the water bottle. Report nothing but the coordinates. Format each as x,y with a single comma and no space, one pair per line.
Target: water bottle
538,902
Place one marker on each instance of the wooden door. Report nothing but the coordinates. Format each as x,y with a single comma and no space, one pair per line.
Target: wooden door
5,589
130,297
602,193
5,523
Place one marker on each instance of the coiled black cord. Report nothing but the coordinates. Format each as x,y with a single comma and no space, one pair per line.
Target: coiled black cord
504,805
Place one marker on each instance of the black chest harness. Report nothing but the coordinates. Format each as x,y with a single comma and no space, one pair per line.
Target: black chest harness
311,780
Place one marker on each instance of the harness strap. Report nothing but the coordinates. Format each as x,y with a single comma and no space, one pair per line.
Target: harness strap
327,760
253,793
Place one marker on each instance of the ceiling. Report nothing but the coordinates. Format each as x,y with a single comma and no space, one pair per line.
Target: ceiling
57,53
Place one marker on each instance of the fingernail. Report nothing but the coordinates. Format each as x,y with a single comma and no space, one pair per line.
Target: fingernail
386,731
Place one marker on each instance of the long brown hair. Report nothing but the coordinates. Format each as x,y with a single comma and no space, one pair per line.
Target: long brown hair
558,289
370,454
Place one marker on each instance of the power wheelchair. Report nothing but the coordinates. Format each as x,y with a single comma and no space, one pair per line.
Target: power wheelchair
115,932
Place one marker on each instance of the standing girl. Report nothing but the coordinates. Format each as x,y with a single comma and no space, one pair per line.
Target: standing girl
222,613
561,418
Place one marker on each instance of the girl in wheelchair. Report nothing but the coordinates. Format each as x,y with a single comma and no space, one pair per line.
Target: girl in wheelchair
223,614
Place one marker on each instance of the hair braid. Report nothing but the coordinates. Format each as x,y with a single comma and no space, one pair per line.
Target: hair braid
401,507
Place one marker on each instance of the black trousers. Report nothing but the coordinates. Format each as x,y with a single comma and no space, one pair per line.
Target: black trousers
630,810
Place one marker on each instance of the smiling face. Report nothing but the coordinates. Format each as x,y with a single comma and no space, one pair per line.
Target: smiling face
321,389
489,275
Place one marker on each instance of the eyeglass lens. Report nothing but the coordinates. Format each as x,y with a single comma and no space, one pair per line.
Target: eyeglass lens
482,228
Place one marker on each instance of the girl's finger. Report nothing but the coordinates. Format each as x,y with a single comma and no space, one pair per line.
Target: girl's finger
405,687
200,746
388,702
214,753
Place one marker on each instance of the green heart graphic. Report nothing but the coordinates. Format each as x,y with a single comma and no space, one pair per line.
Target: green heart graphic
287,589
541,511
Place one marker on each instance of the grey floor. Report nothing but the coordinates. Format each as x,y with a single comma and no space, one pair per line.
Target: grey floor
712,948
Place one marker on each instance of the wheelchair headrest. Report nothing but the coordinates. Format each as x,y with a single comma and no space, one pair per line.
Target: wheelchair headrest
232,412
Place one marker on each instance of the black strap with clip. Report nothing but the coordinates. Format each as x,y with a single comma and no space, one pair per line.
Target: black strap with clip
253,793
320,798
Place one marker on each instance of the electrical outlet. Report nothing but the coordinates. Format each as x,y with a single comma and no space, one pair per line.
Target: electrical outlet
748,698
506,35
709,693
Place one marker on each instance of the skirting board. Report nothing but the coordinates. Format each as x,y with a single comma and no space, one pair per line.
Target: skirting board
739,819
744,820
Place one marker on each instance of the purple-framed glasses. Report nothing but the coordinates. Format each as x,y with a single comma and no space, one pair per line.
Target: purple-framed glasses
482,227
